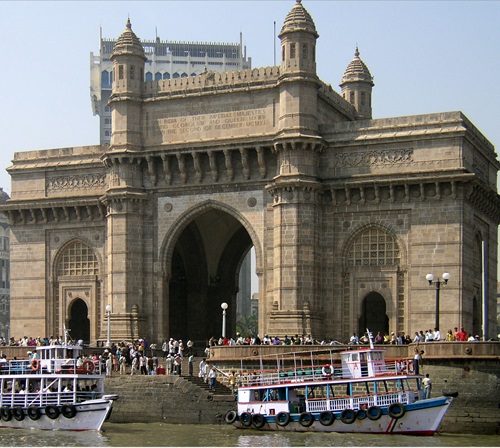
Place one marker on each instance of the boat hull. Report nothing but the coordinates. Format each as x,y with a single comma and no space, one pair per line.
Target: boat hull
420,418
89,416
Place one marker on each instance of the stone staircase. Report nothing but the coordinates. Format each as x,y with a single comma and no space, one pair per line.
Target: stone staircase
220,388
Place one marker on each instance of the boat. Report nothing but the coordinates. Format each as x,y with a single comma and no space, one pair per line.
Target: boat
365,393
57,389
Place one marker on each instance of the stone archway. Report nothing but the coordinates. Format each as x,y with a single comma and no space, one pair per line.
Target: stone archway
373,315
79,323
204,272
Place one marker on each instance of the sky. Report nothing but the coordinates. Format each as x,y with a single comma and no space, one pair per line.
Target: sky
425,56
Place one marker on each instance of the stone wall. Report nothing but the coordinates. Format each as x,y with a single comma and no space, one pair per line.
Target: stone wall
164,398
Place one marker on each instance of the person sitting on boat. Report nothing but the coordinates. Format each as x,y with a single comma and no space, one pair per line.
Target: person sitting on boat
68,388
354,339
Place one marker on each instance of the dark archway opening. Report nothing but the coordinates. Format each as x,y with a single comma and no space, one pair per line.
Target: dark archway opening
205,268
373,315
79,323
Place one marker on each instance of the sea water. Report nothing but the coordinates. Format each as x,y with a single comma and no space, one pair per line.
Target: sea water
162,434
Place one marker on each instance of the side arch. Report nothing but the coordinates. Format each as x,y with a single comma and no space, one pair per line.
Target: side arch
372,259
76,274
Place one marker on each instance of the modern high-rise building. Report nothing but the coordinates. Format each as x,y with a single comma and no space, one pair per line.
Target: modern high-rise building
4,271
165,60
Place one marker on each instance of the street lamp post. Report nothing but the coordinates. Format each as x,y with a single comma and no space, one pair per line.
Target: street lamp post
224,306
437,283
108,312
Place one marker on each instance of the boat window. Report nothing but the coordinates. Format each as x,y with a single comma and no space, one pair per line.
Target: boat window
355,357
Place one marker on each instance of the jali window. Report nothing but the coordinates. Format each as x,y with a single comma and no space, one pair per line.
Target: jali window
374,247
78,259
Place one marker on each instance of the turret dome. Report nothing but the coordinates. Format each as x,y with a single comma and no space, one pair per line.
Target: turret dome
129,43
298,19
357,71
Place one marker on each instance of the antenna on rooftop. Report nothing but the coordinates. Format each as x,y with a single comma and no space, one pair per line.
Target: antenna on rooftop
274,42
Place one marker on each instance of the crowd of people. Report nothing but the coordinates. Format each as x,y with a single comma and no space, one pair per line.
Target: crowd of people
392,338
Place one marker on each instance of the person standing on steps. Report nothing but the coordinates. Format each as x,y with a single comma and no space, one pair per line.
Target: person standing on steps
212,375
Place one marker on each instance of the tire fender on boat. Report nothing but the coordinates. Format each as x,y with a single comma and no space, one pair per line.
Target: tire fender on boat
306,419
396,410
68,410
52,411
348,416
374,413
230,417
283,418
258,420
326,418
34,413
361,414
18,413
246,419
5,414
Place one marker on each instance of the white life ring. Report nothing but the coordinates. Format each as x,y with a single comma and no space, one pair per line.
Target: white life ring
325,373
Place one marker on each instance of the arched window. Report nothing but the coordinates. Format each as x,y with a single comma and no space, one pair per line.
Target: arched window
166,75
77,259
149,76
305,51
374,247
157,76
292,51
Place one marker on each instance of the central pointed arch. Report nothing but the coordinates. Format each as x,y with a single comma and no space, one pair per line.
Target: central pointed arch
202,257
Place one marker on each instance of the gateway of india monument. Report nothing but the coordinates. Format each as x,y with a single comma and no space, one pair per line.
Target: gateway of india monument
347,214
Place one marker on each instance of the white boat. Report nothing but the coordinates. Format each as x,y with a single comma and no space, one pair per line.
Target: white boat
53,391
364,394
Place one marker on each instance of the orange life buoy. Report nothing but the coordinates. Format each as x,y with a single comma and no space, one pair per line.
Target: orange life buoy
35,364
88,366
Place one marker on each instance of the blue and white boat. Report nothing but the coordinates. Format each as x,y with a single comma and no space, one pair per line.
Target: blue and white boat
364,394
55,390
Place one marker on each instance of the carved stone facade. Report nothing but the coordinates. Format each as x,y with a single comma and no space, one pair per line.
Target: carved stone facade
347,215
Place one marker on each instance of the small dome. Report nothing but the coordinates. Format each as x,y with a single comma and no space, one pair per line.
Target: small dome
298,19
128,42
357,71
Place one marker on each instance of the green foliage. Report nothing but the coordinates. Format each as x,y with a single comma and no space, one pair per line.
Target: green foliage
247,325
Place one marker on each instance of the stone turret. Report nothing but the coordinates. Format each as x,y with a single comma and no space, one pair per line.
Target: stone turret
356,85
298,80
128,79
298,42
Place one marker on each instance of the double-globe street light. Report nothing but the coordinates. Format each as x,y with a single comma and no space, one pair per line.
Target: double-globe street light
437,283
224,306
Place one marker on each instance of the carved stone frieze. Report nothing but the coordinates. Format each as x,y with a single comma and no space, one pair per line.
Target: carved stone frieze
373,157
92,180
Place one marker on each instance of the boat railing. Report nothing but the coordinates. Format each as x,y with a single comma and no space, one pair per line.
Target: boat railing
359,402
314,373
44,399
51,366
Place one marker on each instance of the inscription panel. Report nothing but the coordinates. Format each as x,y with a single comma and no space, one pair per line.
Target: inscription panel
208,123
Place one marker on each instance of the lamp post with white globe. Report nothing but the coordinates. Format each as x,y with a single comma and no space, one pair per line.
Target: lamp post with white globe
437,283
224,306
108,312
